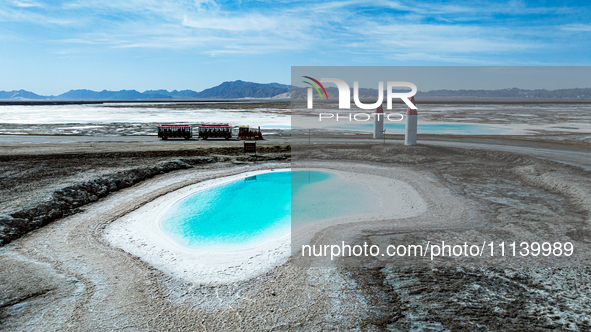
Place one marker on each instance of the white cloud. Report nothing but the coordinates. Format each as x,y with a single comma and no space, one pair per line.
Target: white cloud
448,40
577,27
28,4
250,22
370,30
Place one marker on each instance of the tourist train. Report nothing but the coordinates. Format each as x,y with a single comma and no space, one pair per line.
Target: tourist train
208,131
215,131
174,131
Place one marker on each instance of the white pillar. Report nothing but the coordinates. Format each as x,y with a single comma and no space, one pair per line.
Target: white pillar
378,125
378,122
410,137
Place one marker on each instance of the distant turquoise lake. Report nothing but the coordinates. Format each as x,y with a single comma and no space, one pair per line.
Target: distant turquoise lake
430,128
250,211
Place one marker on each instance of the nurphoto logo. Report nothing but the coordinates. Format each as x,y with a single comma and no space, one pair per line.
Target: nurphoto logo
345,99
345,93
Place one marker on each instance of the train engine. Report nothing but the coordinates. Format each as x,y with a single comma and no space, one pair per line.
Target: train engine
244,133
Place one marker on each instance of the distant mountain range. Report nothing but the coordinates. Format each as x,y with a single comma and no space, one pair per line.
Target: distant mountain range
240,90
333,93
512,93
227,90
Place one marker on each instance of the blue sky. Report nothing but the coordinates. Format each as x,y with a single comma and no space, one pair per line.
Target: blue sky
50,47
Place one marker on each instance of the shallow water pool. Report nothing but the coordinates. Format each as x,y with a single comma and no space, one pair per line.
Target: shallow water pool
431,128
250,211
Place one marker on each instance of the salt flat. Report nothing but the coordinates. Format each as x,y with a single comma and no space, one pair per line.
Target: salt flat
67,276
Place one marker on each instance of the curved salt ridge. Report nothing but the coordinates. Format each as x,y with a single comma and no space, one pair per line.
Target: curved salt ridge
139,232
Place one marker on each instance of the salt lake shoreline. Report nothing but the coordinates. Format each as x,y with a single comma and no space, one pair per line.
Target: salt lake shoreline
140,233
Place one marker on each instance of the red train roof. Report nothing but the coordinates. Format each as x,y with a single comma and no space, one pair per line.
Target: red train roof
213,125
174,125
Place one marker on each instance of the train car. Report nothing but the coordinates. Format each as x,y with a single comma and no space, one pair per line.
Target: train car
215,131
244,133
167,131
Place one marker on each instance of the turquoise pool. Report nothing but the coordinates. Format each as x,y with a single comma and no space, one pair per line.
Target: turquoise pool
253,210
430,128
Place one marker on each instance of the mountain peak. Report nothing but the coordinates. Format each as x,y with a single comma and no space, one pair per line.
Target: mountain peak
242,89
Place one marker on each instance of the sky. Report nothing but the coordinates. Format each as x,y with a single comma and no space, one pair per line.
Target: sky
50,47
